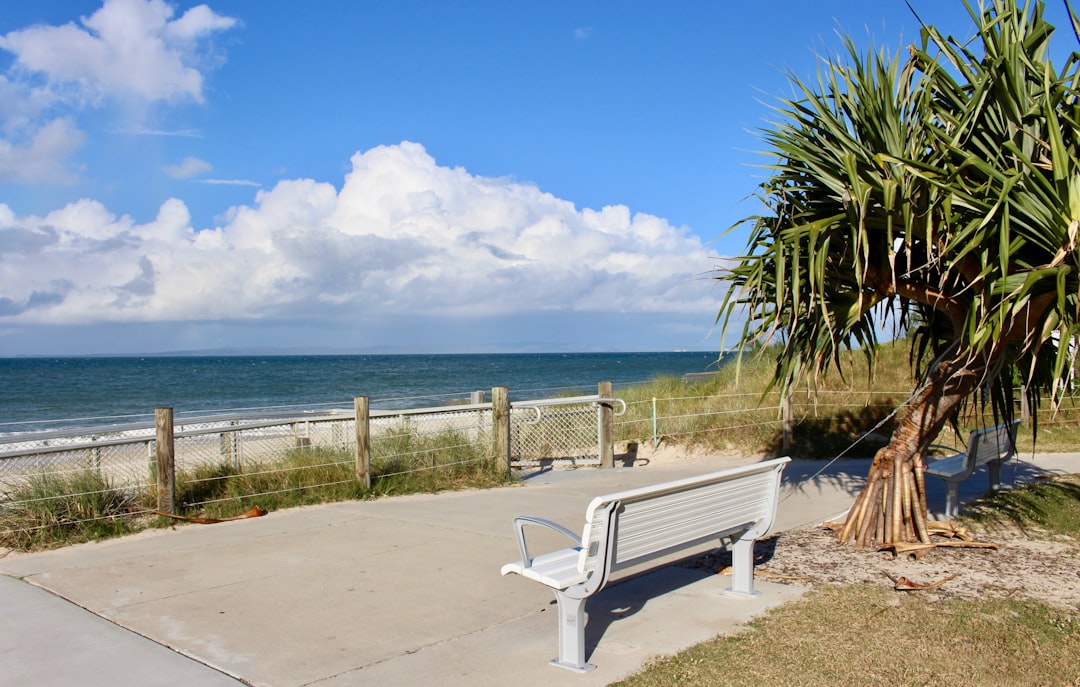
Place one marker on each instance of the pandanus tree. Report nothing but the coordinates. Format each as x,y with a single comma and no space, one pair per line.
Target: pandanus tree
933,192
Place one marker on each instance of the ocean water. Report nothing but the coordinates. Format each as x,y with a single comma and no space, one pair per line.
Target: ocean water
58,393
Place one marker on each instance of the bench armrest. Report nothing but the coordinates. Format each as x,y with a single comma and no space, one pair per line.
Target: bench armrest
519,528
952,450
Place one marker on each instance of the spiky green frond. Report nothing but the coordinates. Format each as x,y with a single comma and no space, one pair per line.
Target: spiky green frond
935,190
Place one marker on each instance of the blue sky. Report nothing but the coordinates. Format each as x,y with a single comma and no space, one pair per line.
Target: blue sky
407,176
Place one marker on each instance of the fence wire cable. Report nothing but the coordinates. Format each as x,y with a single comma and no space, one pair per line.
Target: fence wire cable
431,467
301,487
851,446
112,516
256,473
723,429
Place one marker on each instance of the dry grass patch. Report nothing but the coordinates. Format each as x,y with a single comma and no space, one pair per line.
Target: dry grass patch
867,635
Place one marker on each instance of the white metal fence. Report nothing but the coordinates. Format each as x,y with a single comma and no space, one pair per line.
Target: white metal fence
558,430
541,431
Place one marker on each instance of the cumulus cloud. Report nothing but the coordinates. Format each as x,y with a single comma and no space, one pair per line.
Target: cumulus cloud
130,51
42,157
188,167
127,47
402,237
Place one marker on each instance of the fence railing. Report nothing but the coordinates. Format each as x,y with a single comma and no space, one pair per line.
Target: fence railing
202,450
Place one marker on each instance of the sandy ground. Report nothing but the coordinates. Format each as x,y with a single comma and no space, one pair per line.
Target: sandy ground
1027,564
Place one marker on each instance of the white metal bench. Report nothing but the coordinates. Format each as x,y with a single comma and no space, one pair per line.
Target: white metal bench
991,447
641,525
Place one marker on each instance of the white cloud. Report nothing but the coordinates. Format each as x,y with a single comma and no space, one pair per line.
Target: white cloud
126,48
129,51
42,157
403,237
188,167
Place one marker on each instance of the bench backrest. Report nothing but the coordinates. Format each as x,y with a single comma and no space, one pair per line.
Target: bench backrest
632,527
991,444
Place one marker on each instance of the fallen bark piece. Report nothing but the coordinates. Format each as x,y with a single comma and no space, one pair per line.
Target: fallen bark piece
903,584
255,512
948,529
902,548
726,570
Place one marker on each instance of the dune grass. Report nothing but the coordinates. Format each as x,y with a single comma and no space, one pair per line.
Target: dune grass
55,509
732,411
849,414
51,510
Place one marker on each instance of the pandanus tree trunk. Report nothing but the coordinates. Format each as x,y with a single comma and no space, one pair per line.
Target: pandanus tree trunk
892,505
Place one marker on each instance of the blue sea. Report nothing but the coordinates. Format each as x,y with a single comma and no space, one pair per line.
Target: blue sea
59,393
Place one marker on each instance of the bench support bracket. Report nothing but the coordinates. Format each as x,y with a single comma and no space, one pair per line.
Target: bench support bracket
742,568
571,634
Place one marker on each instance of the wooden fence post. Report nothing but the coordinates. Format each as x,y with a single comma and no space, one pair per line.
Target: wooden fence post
606,426
788,417
363,440
500,419
165,460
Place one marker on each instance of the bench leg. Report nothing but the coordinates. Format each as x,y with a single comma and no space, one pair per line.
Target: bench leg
571,634
952,498
742,568
994,467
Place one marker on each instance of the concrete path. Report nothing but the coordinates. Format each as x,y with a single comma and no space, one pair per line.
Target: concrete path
400,591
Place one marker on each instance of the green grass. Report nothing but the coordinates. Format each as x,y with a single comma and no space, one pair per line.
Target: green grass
415,463
304,477
1051,504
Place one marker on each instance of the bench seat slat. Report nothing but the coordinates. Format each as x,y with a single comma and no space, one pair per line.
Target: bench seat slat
992,446
947,467
558,569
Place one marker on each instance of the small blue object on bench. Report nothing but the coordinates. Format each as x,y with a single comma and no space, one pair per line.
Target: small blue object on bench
991,447
641,525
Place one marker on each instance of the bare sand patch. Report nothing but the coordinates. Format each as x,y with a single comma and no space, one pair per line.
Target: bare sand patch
1028,564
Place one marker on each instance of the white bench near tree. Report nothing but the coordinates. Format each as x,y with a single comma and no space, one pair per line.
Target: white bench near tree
634,527
991,447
